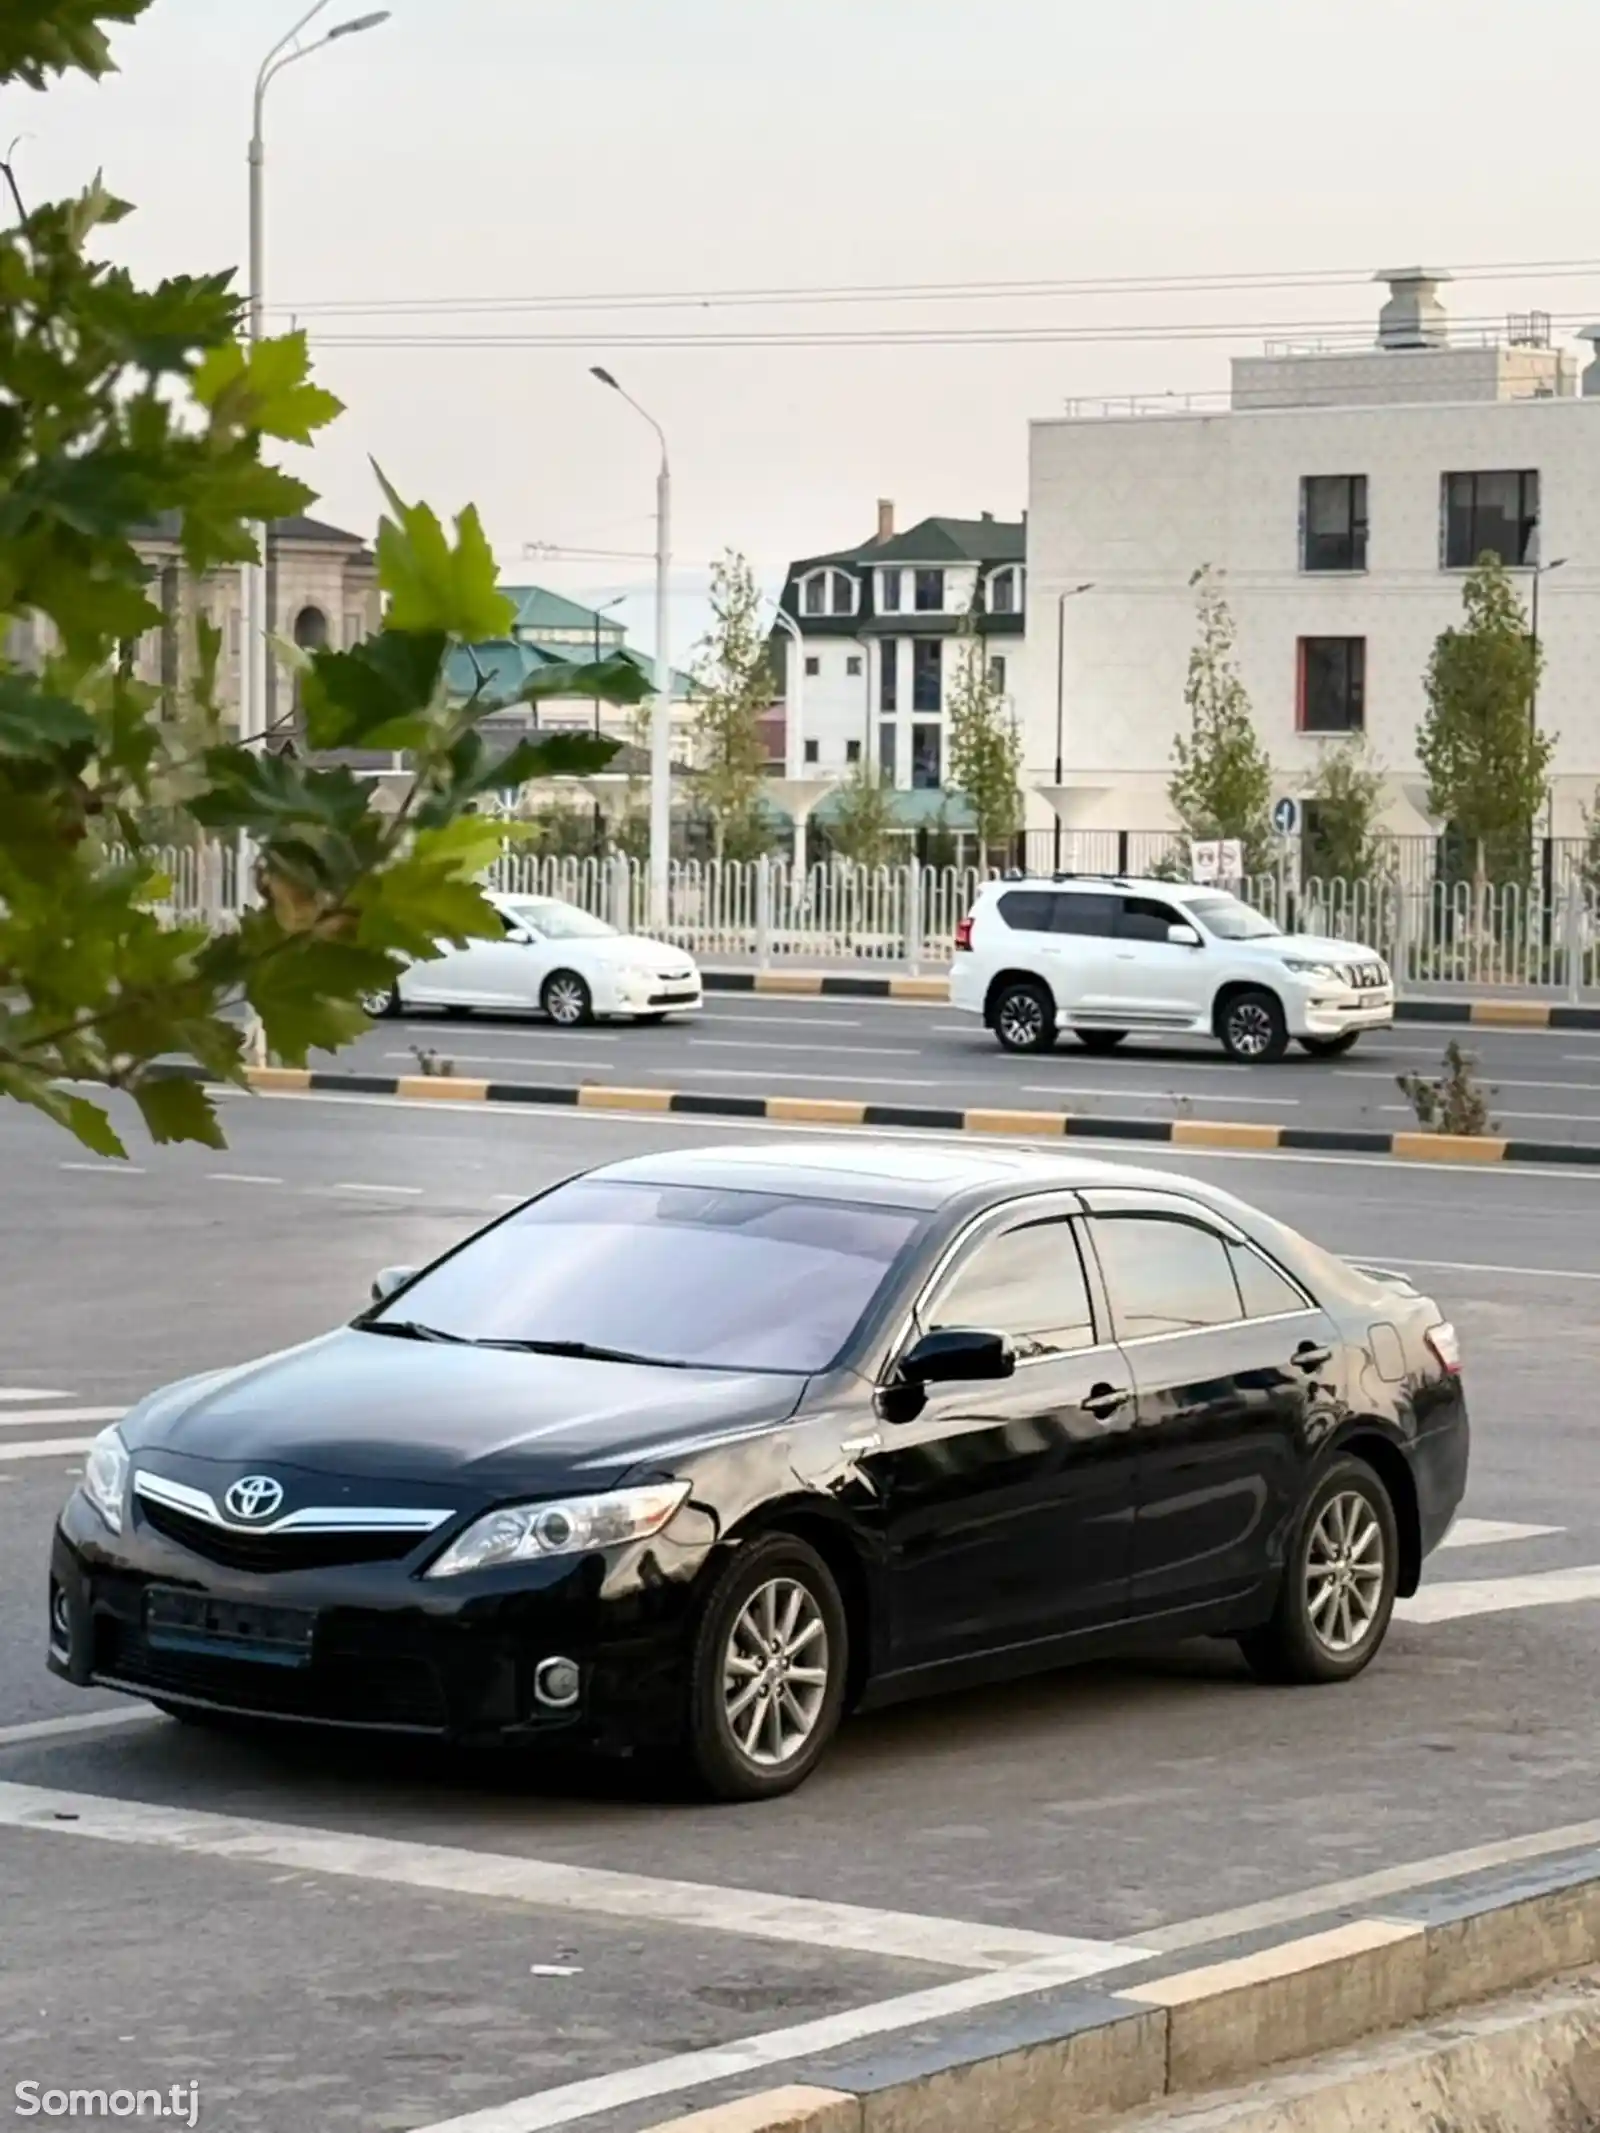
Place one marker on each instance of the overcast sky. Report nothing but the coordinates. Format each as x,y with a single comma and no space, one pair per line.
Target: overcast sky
517,149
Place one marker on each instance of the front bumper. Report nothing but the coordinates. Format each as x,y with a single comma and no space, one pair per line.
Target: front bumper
387,1651
660,996
1335,1012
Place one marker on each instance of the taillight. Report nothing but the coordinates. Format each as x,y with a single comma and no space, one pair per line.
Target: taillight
963,933
1446,1347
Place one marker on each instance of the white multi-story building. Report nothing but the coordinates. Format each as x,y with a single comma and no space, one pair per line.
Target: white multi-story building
870,650
1341,497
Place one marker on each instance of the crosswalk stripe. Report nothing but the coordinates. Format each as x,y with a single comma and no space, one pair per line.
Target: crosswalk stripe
46,1448
1490,1532
11,1394
35,1417
1498,1596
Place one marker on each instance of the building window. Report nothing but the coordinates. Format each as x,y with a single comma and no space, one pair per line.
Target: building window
888,752
925,764
1003,593
890,590
814,595
928,592
853,664
852,751
1333,685
1490,514
813,664
927,674
889,675
813,752
355,628
841,593
1333,522
997,676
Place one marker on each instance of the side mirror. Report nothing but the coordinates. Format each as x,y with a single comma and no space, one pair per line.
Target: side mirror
392,1278
1183,936
519,936
958,1355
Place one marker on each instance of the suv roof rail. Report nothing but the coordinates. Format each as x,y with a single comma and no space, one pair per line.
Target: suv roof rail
1118,880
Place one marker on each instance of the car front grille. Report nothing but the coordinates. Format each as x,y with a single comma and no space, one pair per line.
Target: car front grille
372,1689
1365,977
677,996
237,1550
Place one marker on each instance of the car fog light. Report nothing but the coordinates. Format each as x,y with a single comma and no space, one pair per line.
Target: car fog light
556,1683
60,1619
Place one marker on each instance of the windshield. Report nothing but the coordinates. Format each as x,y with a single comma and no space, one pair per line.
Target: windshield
1230,920
557,921
673,1273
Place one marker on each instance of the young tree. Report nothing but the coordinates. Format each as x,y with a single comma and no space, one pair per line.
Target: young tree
1589,859
736,688
1486,763
985,751
861,820
1343,840
1221,784
118,403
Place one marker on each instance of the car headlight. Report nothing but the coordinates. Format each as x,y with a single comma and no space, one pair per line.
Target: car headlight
1330,971
528,1532
637,979
105,1476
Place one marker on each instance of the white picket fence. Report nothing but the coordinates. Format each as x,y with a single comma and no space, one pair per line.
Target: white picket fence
1434,934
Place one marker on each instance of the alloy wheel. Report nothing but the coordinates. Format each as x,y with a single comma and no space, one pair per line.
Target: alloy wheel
1344,1573
775,1672
566,1000
1021,1020
1250,1028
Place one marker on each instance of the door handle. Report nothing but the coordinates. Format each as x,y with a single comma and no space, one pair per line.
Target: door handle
1310,1357
1104,1401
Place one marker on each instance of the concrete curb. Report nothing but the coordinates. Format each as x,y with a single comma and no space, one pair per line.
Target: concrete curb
845,985
1061,2057
844,1112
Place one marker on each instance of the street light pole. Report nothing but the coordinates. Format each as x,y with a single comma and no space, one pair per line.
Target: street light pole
1541,570
661,711
1071,593
257,623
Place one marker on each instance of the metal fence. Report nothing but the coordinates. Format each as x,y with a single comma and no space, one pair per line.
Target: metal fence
1436,934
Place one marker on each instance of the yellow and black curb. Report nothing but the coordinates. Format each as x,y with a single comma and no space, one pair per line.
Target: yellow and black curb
1436,1971
929,1118
842,985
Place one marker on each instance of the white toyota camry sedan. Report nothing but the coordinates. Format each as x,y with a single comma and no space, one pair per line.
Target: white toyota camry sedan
554,959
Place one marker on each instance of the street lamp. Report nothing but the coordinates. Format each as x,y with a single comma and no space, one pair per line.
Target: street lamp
253,706
1072,592
661,712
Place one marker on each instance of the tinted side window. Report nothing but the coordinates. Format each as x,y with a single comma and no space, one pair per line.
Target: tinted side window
1146,919
1164,1276
1028,1283
1027,910
1086,914
1266,1292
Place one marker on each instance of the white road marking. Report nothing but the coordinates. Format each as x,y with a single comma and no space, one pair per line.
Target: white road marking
1501,1596
32,1417
505,1059
812,1021
847,1081
1549,1118
1490,1532
38,1729
778,2047
397,1192
48,1448
107,1167
1169,1096
10,1393
597,1891
239,1177
1369,1074
1468,1266
855,1051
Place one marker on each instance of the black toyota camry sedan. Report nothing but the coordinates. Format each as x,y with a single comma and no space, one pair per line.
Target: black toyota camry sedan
702,1451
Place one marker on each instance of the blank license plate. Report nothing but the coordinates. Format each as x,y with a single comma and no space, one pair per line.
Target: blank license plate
227,1629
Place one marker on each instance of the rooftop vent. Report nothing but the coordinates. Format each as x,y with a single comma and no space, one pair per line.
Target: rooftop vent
1413,317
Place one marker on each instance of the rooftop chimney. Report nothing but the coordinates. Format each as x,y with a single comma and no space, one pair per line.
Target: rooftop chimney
885,518
1413,317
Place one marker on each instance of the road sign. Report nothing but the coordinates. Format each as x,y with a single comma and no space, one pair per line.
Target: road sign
1286,817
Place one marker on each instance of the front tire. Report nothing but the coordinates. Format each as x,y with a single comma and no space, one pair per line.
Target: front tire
1252,1028
567,1000
382,1006
1100,1040
1023,1016
1330,1047
768,1672
1338,1593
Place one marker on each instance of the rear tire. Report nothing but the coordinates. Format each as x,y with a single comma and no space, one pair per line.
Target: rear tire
1023,1016
1100,1040
1338,1591
1252,1027
567,1000
768,1671
1330,1047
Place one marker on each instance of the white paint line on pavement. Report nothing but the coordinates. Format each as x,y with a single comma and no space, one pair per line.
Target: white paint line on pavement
834,1051
1491,1532
506,1059
1167,1096
11,1393
778,2047
106,1168
239,1177
845,1081
32,1417
38,1729
396,1192
597,1891
709,1014
46,1448
1501,1596
1468,1266
1548,1118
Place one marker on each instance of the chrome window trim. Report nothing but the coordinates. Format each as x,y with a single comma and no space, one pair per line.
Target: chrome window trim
1226,1325
1150,1200
1054,1204
314,1518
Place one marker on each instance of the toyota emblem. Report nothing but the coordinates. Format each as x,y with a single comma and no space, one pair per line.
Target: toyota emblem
254,1498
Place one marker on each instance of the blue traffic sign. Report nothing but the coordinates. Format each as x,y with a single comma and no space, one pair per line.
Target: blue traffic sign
1286,817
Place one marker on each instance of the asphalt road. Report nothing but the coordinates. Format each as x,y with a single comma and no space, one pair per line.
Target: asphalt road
1545,1084
383,1940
